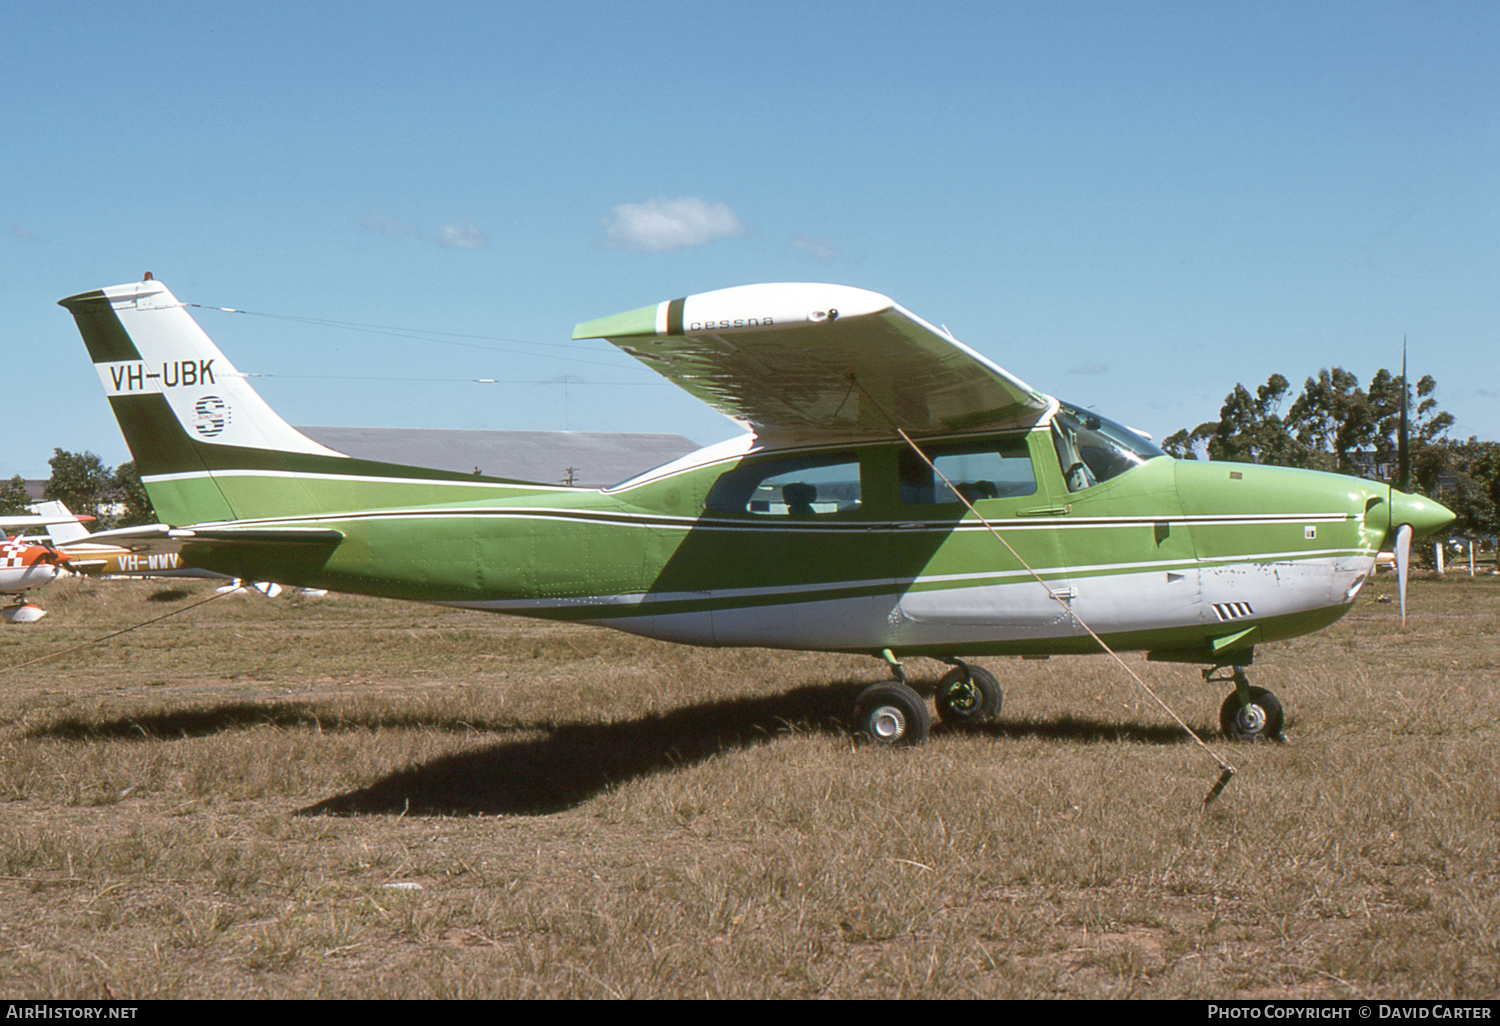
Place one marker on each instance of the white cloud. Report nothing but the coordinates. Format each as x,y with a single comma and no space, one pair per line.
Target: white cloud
666,225
821,250
1089,368
462,235
454,235
381,223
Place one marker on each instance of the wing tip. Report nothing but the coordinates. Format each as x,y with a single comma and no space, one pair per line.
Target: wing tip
631,323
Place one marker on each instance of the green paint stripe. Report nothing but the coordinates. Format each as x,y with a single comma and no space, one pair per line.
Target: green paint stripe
641,321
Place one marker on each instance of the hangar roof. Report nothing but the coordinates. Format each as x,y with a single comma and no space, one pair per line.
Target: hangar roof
591,458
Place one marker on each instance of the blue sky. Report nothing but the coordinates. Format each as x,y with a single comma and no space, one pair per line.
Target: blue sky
1131,205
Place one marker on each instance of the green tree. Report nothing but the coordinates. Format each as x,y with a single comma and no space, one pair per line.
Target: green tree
1186,445
83,483
1473,478
13,497
1333,420
132,495
1335,425
1249,430
1426,424
1332,425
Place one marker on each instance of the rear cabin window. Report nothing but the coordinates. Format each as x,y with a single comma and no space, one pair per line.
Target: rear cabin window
796,486
990,470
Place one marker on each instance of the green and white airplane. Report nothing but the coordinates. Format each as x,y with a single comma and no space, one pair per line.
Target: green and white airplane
895,494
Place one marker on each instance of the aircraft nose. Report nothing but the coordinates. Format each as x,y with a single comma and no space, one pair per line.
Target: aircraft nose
1423,514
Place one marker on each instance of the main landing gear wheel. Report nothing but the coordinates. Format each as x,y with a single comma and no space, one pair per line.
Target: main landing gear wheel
891,714
968,696
1259,719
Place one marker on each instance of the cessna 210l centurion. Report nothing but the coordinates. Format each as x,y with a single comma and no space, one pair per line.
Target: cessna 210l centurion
897,494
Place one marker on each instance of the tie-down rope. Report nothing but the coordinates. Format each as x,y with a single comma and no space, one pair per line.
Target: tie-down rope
116,634
1227,769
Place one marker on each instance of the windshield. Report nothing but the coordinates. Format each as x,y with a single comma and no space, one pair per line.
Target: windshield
1092,449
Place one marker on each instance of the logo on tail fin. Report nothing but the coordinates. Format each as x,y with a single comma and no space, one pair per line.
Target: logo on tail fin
212,416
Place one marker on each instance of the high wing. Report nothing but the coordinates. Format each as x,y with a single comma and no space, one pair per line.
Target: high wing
799,362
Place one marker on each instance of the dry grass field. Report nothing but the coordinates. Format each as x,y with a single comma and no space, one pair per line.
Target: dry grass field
354,798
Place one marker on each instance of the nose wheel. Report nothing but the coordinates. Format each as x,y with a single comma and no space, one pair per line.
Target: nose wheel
1250,713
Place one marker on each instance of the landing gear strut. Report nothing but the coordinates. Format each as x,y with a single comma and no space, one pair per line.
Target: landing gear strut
1249,714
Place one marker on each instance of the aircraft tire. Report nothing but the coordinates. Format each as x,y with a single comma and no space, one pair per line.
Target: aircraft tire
1261,720
891,714
969,706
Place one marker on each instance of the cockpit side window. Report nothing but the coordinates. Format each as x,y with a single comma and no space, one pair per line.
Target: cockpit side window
1092,450
792,486
996,469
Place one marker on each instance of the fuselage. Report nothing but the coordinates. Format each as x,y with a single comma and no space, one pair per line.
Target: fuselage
899,494
862,548
25,567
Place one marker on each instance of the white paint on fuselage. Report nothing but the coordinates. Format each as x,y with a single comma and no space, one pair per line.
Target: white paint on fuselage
1021,609
14,580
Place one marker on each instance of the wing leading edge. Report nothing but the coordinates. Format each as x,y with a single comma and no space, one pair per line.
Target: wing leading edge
798,362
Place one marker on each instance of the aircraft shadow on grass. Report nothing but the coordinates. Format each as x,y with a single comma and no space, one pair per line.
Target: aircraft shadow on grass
572,762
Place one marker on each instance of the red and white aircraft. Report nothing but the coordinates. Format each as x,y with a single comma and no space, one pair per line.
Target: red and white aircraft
25,565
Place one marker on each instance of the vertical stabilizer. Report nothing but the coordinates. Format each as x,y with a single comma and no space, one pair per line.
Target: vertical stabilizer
63,532
188,416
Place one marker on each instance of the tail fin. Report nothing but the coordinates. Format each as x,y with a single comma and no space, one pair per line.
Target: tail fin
186,413
208,448
62,532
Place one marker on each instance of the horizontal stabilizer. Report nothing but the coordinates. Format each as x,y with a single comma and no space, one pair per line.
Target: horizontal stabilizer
26,520
281,553
162,538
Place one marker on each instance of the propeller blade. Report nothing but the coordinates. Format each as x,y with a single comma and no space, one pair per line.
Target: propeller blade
1403,564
